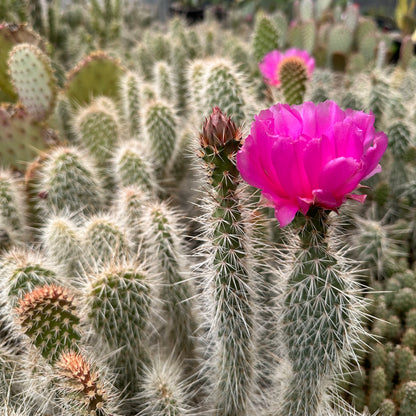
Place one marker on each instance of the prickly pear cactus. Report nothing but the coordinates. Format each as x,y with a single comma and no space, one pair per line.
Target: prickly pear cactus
31,74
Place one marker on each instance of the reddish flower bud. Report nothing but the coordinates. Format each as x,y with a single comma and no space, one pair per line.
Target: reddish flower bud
218,130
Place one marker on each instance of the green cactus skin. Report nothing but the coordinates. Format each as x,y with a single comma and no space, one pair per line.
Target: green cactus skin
33,80
377,389
47,316
399,139
103,241
21,137
349,100
164,392
69,183
411,319
320,317
293,76
133,166
294,36
265,37
340,40
118,301
227,285
164,82
367,48
11,35
12,207
81,387
97,74
130,94
378,99
408,404
351,16
62,243
224,88
404,300
160,127
365,27
308,35
378,356
165,246
357,389
98,129
306,10
390,370
145,61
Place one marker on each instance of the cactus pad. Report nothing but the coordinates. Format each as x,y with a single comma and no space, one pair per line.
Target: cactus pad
32,77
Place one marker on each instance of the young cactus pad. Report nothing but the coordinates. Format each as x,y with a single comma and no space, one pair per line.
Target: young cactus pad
32,77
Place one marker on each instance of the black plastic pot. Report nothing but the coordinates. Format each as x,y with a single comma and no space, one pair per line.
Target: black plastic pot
192,15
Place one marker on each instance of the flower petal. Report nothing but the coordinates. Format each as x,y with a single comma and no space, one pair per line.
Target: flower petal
374,154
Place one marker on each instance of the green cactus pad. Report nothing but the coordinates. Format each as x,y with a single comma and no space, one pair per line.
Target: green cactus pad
33,79
265,37
96,75
11,35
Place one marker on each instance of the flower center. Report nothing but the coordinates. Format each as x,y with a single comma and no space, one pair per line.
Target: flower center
291,64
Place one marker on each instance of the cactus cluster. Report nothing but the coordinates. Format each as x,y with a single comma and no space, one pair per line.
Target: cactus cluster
140,275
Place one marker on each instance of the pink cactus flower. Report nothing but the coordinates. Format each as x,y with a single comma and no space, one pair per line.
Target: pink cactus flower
310,155
271,63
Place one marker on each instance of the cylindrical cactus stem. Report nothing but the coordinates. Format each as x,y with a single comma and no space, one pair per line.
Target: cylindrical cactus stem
47,316
103,241
129,209
196,78
226,268
164,392
164,81
118,301
99,130
130,94
320,316
293,75
62,242
164,248
82,388
408,404
265,36
69,184
12,211
133,166
160,126
224,87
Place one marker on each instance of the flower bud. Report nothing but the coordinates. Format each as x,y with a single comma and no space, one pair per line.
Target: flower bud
218,130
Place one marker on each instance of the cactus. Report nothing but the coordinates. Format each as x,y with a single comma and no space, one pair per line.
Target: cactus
321,307
47,316
378,386
308,34
408,404
160,127
97,74
68,183
11,35
306,10
98,129
340,40
265,37
164,393
62,243
118,301
227,272
195,78
133,166
224,88
179,62
293,76
22,271
130,93
387,408
164,245
367,47
33,80
82,390
163,81
12,209
103,241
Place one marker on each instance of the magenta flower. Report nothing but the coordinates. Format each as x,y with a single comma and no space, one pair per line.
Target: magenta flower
310,154
272,62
